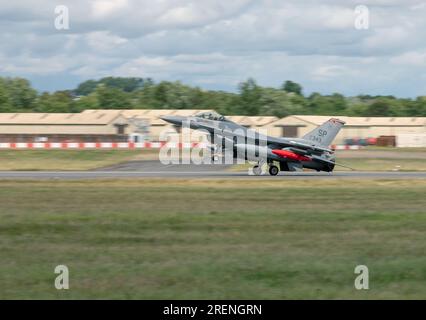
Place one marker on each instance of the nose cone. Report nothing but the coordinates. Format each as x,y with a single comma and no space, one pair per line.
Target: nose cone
176,120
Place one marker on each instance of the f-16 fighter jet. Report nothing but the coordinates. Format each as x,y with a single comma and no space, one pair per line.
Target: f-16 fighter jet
312,151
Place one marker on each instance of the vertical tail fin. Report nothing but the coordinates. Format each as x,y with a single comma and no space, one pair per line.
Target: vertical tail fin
324,135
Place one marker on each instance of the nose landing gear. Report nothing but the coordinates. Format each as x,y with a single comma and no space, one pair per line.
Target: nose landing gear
257,170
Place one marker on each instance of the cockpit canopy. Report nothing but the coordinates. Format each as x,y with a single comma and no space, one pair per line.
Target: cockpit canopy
211,115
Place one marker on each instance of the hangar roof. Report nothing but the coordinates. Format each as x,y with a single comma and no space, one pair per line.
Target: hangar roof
357,121
98,118
153,115
262,120
241,120
252,121
102,117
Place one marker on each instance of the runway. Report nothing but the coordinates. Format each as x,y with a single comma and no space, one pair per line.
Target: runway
155,169
81,175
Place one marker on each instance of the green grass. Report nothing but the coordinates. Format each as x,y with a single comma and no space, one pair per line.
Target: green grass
68,159
392,149
213,239
382,164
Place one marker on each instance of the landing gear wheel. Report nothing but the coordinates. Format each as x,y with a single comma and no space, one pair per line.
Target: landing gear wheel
257,170
273,170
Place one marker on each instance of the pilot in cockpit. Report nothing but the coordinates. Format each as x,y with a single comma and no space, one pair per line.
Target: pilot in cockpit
211,115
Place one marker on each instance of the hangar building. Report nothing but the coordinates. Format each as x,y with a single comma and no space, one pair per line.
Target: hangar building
355,127
145,124
105,126
138,125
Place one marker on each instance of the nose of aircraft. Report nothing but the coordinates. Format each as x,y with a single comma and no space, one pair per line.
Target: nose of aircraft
173,119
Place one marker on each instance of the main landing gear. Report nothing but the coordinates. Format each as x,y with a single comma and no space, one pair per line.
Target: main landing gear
273,169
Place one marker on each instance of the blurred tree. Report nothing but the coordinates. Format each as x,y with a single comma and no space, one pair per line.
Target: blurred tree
357,110
292,87
21,95
249,100
60,101
85,103
223,102
125,84
112,98
327,105
338,102
418,108
379,108
85,88
5,105
412,108
17,95
279,103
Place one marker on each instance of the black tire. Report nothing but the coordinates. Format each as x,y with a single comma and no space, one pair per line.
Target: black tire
273,170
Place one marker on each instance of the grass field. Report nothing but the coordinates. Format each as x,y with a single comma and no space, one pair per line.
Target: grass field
41,160
384,159
68,159
213,239
382,164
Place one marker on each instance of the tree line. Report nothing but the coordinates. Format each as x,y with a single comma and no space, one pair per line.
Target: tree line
17,95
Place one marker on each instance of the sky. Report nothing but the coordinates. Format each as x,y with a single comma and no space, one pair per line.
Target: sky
218,44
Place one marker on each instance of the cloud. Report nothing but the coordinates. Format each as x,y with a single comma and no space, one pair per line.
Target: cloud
103,8
104,40
412,58
216,44
328,71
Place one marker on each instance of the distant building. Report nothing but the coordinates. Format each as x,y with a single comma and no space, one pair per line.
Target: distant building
57,127
146,125
355,127
138,125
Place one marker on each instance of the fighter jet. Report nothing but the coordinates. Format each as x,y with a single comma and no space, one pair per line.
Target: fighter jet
312,151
